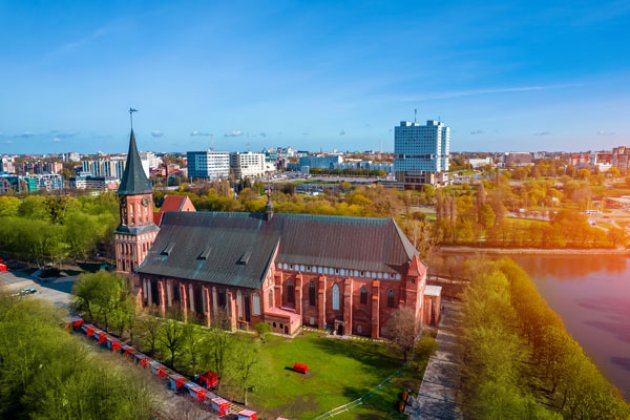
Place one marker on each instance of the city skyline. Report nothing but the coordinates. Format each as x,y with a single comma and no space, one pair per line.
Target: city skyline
517,76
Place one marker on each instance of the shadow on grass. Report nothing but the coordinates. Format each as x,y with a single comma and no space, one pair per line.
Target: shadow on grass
370,353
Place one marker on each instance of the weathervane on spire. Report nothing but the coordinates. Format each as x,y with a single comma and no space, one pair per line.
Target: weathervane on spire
131,111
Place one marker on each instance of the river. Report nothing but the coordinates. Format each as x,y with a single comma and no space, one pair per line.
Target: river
592,295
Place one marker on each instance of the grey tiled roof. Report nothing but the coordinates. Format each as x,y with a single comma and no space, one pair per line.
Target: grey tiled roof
134,179
237,248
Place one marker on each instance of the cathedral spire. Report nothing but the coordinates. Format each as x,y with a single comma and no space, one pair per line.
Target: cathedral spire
134,180
269,206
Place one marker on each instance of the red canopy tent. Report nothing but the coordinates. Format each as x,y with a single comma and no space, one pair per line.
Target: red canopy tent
247,415
176,381
158,369
196,391
209,380
221,406
3,267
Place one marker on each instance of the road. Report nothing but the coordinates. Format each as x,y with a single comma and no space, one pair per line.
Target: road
56,291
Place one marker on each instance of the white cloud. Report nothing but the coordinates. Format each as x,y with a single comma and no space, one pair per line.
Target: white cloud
605,133
56,140
234,133
196,133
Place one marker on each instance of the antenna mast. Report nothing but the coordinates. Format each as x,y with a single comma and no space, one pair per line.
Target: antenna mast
415,116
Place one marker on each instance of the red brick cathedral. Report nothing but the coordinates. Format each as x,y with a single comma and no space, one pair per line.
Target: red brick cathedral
349,274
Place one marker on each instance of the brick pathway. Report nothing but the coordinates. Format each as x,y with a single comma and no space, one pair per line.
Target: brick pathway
438,397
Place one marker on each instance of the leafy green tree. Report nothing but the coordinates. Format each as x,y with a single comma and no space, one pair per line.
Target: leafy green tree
171,339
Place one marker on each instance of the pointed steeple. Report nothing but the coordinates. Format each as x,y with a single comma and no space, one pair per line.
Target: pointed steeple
134,180
269,206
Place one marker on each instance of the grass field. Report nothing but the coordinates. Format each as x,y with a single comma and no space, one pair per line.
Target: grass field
341,371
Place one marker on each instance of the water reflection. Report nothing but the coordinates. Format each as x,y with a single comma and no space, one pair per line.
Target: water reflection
592,295
572,267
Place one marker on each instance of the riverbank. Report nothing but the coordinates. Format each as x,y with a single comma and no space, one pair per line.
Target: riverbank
533,251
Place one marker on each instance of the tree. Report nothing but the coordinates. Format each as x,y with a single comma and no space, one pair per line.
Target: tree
245,371
192,342
402,329
9,206
262,328
171,336
149,328
217,348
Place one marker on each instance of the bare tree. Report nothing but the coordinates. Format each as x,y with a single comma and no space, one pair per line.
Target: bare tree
402,329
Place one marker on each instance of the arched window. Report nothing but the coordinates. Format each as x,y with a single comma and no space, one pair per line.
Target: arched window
363,295
256,304
390,298
311,293
290,292
335,297
271,298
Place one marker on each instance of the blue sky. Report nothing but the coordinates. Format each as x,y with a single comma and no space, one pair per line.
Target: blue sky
318,75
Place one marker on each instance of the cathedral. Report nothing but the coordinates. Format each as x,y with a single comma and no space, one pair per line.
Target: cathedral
346,274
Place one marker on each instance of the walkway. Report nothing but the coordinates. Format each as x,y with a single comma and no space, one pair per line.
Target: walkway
438,397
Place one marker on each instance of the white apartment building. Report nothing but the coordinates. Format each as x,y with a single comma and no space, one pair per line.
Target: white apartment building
247,165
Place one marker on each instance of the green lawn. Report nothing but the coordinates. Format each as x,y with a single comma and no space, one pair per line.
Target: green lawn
341,371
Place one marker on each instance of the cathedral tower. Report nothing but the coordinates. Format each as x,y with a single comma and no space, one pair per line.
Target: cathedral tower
136,232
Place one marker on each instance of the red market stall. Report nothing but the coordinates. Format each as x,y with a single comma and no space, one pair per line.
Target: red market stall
176,381
247,415
196,391
101,336
209,380
158,369
3,266
300,368
221,406
112,343
74,323
88,329
141,359
127,350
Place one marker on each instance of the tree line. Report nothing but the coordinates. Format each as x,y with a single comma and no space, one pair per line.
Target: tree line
519,361
50,229
47,373
105,299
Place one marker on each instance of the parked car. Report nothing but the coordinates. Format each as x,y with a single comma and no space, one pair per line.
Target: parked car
27,291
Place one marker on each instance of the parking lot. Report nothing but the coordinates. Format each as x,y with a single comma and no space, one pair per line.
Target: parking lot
56,290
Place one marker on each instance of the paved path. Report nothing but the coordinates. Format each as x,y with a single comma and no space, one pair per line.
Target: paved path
438,397
56,291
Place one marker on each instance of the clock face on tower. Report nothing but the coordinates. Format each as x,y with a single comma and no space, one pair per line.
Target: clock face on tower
145,201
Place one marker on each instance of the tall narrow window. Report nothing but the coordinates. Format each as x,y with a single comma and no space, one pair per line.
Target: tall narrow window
390,298
363,295
271,298
256,304
335,297
290,292
311,293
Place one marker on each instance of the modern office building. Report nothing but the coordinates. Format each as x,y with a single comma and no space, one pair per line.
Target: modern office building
321,162
7,164
421,153
247,165
208,164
